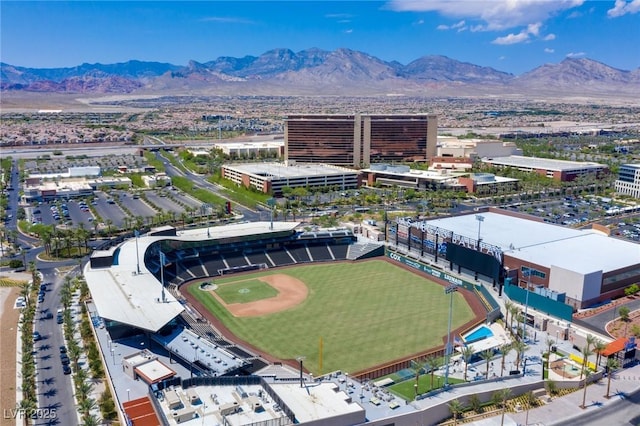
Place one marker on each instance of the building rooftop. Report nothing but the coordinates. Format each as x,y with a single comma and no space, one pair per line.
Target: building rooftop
546,244
280,170
542,163
121,294
436,175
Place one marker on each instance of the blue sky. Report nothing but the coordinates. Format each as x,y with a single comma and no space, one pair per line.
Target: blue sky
509,35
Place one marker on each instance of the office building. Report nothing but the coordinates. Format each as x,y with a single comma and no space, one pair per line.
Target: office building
628,182
359,140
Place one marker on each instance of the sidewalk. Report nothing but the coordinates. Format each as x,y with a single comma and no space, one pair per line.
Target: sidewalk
563,409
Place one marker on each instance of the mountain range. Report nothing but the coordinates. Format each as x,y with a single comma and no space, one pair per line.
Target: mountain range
320,72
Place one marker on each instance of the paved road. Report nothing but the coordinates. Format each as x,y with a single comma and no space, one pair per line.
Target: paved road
55,389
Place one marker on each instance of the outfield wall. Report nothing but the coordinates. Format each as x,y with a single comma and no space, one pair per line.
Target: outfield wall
493,309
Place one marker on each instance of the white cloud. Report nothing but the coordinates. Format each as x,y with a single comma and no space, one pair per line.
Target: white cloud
420,22
442,27
623,7
348,31
226,20
522,36
494,15
459,24
549,50
549,37
534,29
575,54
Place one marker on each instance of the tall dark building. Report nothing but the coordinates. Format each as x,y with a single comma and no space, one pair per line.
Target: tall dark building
359,140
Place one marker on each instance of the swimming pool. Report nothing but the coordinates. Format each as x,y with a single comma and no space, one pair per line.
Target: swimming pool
479,333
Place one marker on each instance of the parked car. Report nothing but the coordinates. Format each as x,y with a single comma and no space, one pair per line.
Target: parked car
66,369
36,336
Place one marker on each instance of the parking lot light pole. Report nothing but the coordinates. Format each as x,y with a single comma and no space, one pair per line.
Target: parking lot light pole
450,289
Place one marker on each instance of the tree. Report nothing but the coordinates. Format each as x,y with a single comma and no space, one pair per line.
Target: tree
612,364
500,399
520,347
504,350
586,383
598,347
624,317
487,355
467,353
434,362
417,366
475,403
529,400
586,352
508,305
456,408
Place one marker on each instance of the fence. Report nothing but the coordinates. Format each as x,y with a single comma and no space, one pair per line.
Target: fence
539,303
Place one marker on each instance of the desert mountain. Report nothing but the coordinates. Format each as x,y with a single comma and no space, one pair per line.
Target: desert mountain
316,71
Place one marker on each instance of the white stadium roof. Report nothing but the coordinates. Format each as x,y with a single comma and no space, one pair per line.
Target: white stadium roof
582,251
120,294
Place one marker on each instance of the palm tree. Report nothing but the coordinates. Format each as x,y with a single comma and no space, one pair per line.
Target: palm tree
520,348
467,353
417,366
456,408
475,403
487,355
434,363
584,395
612,364
598,347
529,400
508,305
586,352
90,420
500,398
86,405
504,350
515,310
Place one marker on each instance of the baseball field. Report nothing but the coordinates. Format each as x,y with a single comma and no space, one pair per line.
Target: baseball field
366,313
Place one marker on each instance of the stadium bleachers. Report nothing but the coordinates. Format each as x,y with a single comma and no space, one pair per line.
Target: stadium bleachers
299,253
235,260
339,251
320,253
280,257
194,265
213,263
258,258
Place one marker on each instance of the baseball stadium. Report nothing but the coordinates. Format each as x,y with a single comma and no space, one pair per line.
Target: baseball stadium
270,292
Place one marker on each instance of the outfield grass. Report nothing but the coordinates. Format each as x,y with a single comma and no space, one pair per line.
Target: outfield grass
367,313
245,291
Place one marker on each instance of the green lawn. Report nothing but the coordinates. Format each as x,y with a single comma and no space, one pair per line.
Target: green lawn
245,291
367,313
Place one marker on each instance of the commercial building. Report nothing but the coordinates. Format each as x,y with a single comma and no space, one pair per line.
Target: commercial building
439,179
359,140
271,178
36,189
451,146
579,267
560,170
252,149
628,182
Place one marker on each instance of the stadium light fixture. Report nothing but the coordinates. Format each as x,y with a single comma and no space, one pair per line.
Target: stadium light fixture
450,289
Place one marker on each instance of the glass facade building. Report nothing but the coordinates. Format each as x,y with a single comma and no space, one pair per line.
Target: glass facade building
359,140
